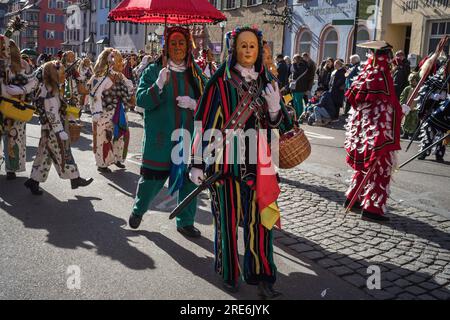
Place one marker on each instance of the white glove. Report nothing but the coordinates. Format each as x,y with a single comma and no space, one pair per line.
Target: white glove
196,175
63,136
96,117
162,78
406,109
273,98
186,102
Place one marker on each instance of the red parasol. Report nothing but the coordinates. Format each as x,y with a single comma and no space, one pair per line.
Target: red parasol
167,12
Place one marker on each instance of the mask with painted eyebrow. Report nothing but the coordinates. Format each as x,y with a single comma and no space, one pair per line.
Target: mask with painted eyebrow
177,47
247,49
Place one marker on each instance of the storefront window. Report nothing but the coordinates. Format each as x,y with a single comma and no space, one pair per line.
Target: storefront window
438,30
330,44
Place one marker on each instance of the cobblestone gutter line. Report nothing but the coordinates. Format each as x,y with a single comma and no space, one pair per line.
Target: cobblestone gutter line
412,250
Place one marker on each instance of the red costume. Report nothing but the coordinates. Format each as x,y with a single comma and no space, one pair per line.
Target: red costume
373,134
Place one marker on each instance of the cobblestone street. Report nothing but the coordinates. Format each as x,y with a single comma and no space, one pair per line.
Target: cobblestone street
412,250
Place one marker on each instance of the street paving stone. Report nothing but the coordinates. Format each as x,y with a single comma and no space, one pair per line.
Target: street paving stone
412,250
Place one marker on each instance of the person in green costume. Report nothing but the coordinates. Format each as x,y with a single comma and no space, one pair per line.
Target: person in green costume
169,90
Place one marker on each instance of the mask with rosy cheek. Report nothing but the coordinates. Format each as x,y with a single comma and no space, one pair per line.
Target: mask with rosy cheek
177,47
247,49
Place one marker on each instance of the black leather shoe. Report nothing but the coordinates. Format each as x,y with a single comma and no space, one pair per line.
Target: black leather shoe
190,231
366,215
80,182
34,187
267,292
422,157
356,206
134,221
10,176
230,287
120,165
104,169
440,159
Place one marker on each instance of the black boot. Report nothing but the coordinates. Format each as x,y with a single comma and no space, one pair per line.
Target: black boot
120,165
189,231
104,169
34,187
267,292
230,286
10,176
134,221
366,215
356,206
80,182
440,159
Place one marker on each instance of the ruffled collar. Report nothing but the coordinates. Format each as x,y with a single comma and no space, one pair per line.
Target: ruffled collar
248,74
177,67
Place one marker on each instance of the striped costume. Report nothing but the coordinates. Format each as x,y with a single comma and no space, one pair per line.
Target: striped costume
235,198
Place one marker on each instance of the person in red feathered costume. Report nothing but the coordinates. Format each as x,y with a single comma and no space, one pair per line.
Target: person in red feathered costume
373,133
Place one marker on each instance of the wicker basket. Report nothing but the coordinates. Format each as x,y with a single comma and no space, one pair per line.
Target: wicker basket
74,131
294,148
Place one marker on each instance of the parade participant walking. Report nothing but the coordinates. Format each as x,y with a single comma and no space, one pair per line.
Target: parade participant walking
110,92
373,133
168,91
432,94
15,84
244,195
71,92
54,144
206,62
435,128
412,119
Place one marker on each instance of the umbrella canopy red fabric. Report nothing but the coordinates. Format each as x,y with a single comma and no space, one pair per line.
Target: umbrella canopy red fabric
167,12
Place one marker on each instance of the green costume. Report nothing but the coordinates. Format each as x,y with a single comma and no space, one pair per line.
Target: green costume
162,116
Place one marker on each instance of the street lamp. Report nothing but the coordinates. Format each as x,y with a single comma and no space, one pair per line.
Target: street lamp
222,24
152,38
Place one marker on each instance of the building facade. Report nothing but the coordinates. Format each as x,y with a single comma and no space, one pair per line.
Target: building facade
245,12
326,28
51,26
414,26
28,38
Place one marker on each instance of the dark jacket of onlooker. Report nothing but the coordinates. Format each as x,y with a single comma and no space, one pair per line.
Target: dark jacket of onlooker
299,72
311,74
354,72
283,74
325,77
401,73
337,89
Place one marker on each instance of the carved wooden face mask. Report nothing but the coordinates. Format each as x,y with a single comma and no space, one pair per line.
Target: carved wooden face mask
267,56
247,49
178,47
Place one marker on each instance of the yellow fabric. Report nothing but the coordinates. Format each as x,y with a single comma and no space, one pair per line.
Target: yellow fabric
270,215
11,111
288,98
73,111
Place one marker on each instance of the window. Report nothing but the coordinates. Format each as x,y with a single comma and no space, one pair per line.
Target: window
115,28
216,3
52,4
78,35
232,4
438,30
60,4
101,4
330,44
120,28
304,42
101,29
253,2
137,29
50,34
131,29
50,18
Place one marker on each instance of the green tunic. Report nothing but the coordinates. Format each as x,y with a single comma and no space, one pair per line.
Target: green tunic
162,115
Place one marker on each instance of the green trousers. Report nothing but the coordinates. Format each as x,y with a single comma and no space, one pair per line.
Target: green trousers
298,103
147,191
